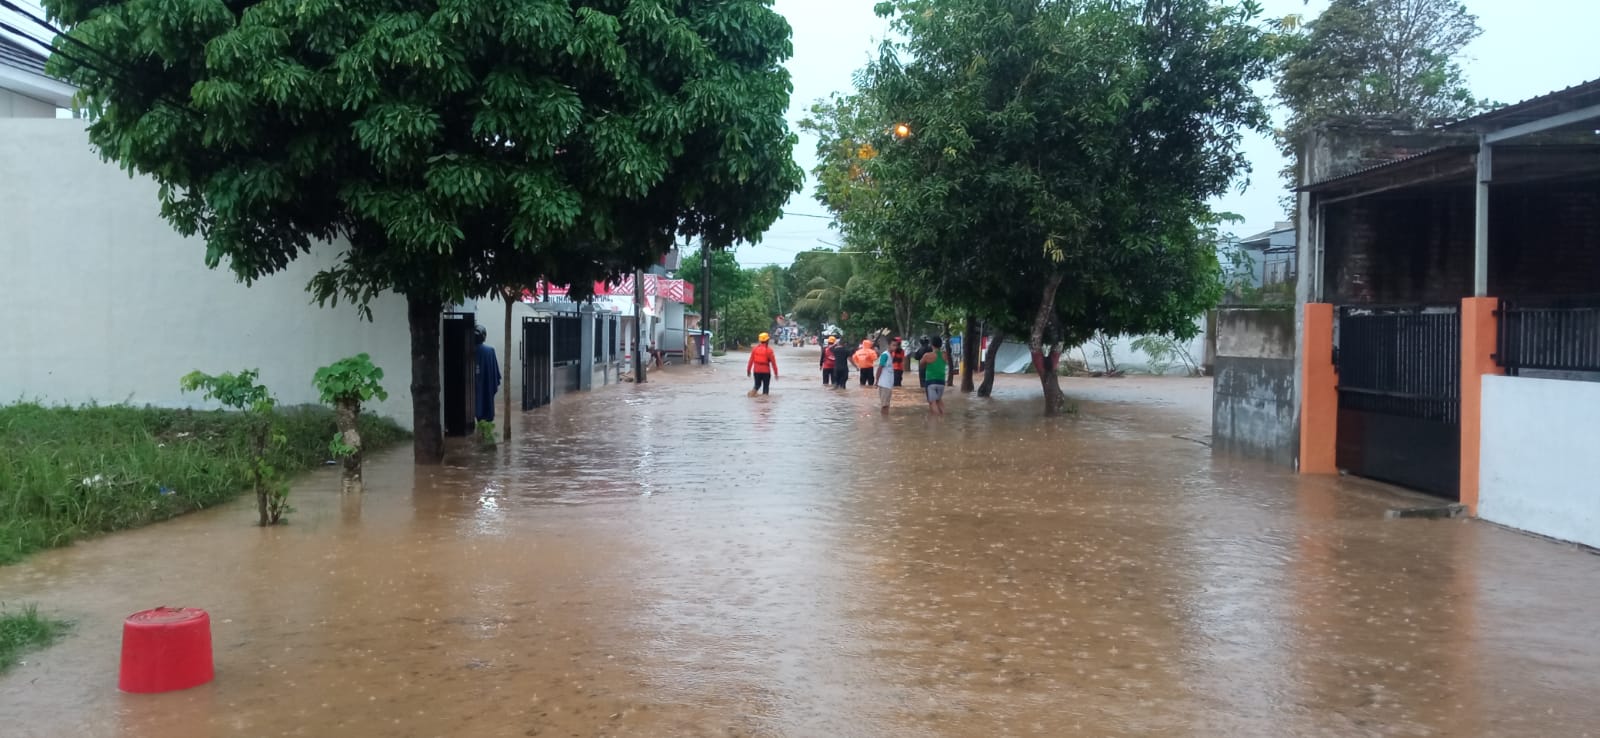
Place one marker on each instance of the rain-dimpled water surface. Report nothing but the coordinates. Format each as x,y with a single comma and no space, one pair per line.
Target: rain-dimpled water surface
678,559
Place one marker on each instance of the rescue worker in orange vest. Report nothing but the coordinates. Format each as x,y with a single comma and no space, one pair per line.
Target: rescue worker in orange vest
865,357
763,365
827,361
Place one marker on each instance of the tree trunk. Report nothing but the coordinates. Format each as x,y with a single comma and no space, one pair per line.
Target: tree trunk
505,376
969,352
638,327
1045,365
902,312
346,413
987,387
255,474
1055,401
427,447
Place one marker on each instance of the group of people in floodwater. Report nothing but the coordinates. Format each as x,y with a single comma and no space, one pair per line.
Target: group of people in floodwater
882,369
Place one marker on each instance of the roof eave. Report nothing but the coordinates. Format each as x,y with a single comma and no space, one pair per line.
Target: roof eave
36,86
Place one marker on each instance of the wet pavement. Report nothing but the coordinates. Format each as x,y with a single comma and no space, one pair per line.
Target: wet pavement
676,559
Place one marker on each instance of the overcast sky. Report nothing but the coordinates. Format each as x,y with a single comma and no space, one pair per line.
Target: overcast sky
1528,48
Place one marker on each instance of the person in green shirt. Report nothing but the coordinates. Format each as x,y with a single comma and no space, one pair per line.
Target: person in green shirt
935,369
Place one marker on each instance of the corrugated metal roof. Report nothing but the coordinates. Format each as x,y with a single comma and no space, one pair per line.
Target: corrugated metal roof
1435,151
1530,109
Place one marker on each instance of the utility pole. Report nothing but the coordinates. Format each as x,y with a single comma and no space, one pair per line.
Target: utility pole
638,326
705,302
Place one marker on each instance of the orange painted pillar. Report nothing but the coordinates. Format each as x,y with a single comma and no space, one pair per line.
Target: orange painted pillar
1480,331
1319,392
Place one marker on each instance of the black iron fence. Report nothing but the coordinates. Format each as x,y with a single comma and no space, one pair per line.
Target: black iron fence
1400,361
1400,395
1556,334
568,333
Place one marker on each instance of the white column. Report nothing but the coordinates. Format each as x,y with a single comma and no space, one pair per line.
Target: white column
1480,241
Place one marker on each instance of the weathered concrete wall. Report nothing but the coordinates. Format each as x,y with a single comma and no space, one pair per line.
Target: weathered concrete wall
107,304
1538,462
1253,398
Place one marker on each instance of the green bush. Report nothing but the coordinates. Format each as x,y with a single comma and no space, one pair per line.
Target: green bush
66,473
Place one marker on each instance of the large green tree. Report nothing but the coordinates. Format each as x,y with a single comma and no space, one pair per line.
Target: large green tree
1378,59
849,129
444,148
729,282
1061,154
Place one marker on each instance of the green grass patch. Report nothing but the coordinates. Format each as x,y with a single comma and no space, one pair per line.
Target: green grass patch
25,630
67,473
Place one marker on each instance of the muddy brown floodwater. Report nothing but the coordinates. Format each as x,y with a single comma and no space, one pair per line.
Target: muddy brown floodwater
677,559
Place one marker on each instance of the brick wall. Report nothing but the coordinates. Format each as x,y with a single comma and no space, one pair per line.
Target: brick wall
1417,247
1545,241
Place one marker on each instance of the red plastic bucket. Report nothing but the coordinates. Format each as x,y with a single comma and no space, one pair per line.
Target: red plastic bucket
165,649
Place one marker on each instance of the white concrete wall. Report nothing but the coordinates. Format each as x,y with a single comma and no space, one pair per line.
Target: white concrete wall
15,105
1540,462
105,303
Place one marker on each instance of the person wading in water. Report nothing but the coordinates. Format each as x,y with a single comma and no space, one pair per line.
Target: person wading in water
934,375
827,361
763,365
841,364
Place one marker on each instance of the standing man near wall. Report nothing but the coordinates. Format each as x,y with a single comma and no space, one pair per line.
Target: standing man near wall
487,382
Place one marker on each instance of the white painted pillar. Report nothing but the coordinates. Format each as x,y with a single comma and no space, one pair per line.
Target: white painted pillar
1480,240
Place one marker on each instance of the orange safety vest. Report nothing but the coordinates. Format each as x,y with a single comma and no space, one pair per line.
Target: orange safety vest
762,360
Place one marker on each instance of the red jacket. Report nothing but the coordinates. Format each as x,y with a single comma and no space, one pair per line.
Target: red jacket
762,360
827,356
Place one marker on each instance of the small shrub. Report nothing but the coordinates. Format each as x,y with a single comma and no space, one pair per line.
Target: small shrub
345,384
243,393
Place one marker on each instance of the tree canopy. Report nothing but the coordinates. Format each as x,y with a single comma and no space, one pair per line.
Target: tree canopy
1060,157
454,146
1379,59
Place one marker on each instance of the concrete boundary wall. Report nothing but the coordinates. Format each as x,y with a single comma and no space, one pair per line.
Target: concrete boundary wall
1540,457
105,303
1254,407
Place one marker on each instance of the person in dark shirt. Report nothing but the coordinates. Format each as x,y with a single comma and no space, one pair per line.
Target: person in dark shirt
922,351
841,364
487,382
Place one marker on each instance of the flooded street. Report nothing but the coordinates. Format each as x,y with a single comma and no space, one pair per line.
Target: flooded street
676,559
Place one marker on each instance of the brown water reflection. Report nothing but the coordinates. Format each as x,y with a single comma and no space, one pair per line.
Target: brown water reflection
680,560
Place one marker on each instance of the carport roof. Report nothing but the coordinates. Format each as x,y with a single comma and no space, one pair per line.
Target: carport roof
1578,96
1558,157
1458,165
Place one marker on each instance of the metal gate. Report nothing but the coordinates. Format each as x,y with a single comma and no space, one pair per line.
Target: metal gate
457,360
1400,395
536,365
